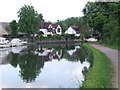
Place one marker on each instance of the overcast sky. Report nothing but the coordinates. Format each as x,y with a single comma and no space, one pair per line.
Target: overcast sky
52,10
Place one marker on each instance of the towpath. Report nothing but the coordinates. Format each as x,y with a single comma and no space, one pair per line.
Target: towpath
113,56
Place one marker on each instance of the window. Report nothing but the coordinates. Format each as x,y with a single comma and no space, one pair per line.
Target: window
58,30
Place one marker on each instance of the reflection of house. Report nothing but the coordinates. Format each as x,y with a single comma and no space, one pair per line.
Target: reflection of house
49,54
71,52
72,30
4,28
4,56
5,53
49,29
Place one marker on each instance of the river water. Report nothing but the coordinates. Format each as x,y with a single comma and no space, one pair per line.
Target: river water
43,66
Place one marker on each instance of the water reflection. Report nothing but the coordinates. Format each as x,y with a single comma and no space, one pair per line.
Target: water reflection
45,66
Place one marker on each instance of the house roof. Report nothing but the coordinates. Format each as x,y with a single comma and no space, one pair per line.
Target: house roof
5,26
75,27
46,24
55,25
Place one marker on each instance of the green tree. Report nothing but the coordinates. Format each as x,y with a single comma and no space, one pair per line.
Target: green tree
14,28
41,18
103,17
29,20
75,21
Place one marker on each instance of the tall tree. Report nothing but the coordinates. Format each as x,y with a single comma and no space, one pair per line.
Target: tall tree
29,20
104,17
14,28
41,19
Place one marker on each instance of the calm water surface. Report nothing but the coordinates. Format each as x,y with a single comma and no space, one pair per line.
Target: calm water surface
42,66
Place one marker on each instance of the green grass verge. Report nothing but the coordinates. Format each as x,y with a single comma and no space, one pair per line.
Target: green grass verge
111,46
100,75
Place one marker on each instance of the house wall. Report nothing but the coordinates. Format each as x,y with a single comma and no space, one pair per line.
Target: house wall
50,32
58,27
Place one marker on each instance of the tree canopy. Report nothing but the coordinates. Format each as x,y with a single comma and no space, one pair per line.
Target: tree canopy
103,17
29,21
14,27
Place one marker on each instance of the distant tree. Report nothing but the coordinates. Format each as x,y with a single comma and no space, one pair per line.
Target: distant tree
14,28
76,21
41,18
29,20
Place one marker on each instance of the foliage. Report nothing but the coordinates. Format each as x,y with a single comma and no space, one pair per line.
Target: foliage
103,17
75,21
30,65
29,20
58,37
69,36
14,28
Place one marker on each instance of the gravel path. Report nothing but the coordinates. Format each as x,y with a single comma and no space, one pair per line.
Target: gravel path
113,56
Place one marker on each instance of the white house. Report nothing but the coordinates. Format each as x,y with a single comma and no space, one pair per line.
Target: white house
49,29
72,30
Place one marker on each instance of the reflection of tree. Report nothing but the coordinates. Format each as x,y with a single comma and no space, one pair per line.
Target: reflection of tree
80,54
69,47
14,60
30,65
89,56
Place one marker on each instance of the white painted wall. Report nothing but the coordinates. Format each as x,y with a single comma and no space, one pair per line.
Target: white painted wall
70,31
57,30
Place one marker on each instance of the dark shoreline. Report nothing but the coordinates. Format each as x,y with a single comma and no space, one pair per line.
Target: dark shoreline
58,42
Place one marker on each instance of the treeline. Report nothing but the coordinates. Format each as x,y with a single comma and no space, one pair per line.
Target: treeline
83,28
104,17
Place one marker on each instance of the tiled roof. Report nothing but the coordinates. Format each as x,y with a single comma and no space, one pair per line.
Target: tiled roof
55,25
46,24
75,27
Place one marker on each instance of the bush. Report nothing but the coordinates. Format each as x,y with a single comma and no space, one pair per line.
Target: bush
57,36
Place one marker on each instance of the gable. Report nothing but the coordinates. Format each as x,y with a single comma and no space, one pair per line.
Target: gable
50,26
70,31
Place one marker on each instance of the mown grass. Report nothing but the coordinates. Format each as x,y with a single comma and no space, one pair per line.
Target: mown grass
100,75
111,46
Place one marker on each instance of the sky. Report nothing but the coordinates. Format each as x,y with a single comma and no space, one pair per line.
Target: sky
52,10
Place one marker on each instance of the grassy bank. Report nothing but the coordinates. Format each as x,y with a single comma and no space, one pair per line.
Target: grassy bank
100,75
111,46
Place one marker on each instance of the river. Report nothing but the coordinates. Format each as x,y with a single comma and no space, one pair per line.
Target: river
44,66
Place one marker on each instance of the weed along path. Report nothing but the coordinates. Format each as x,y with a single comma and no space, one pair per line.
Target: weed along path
113,56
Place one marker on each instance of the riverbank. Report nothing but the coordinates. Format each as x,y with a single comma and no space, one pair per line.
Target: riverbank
99,76
59,41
